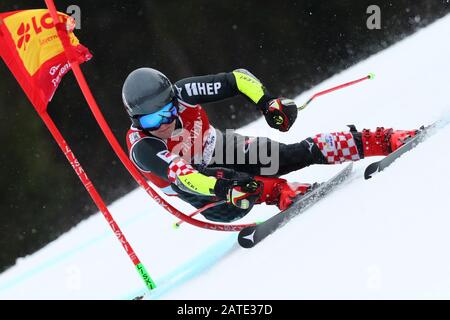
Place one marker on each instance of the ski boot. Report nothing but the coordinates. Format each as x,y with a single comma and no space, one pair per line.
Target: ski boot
280,192
384,141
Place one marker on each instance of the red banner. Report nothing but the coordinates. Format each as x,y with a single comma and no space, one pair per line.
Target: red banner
30,46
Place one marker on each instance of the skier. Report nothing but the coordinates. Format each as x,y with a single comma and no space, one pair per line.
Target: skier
173,144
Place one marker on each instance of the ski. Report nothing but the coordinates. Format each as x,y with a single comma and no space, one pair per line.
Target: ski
410,144
251,236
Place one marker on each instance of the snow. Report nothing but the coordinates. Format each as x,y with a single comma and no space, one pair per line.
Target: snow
385,238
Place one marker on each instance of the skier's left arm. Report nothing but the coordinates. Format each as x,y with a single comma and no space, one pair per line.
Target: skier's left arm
280,113
151,156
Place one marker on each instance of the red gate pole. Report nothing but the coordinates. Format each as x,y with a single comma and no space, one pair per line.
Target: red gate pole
96,198
61,28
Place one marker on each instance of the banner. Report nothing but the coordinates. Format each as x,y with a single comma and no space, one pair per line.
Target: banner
30,47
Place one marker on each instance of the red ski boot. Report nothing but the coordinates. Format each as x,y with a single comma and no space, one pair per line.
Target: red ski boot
289,191
280,192
399,137
384,141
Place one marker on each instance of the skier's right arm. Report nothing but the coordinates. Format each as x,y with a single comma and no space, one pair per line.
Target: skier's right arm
150,155
280,113
217,87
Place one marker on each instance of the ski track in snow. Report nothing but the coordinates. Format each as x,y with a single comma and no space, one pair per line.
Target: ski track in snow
385,238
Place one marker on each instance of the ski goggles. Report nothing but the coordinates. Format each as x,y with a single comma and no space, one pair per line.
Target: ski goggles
154,121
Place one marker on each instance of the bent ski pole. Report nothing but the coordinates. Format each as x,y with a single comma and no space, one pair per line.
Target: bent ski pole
208,206
371,76
132,169
87,183
140,268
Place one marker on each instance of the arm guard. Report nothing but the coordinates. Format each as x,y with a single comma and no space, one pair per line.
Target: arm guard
151,155
250,86
213,88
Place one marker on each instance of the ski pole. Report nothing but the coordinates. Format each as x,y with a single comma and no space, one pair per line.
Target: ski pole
208,206
371,76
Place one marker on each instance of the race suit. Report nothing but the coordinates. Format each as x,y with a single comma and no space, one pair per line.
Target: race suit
190,162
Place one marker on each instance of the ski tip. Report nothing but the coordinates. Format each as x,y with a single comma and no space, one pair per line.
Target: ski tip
371,76
371,169
246,237
246,244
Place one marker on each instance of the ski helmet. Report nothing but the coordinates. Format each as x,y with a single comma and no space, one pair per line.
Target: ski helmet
146,91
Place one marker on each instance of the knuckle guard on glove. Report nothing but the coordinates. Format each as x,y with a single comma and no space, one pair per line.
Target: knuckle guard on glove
238,198
281,114
242,194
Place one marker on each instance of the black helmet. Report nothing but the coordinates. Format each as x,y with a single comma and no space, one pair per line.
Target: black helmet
146,91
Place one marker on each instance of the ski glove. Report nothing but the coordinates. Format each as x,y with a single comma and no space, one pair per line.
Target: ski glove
240,193
280,113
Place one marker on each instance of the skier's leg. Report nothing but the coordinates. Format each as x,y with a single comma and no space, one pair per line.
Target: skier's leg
265,160
334,148
339,147
261,156
241,156
326,148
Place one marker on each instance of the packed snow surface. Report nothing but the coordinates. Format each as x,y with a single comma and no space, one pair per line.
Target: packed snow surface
382,238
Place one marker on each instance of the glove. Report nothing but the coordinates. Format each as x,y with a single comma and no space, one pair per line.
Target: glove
280,113
240,193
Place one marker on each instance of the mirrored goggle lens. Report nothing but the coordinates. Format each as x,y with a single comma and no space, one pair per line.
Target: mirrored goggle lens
164,116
